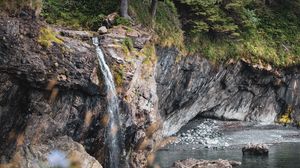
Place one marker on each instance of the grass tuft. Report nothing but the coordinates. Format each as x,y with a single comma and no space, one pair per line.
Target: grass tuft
166,24
47,37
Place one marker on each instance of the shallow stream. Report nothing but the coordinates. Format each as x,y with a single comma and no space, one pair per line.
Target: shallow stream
225,140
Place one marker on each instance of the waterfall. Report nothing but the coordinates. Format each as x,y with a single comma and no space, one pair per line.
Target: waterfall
112,133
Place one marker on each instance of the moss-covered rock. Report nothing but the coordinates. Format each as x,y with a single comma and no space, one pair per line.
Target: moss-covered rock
47,37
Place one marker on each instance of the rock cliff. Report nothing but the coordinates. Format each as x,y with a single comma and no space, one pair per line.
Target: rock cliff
52,97
234,91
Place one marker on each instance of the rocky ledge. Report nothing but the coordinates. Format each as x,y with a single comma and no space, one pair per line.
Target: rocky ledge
255,149
193,163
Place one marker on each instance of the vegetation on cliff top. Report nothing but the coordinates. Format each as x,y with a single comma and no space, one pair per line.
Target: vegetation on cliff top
261,31
265,31
166,23
78,14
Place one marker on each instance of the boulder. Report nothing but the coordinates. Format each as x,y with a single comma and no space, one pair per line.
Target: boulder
102,30
255,149
60,152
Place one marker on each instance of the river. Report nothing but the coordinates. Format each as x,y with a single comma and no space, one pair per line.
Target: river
283,142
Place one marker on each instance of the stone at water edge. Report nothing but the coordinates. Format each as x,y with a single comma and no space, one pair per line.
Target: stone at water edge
255,149
194,163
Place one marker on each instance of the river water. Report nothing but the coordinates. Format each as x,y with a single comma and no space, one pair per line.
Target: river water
284,155
284,145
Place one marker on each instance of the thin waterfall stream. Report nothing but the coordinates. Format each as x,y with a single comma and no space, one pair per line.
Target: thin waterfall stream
113,127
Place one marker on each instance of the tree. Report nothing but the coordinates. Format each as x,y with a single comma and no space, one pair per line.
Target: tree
153,8
124,8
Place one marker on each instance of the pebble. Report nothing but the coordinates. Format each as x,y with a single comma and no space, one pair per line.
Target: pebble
206,133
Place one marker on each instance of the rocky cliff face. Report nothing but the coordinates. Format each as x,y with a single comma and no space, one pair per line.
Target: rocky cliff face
53,98
46,93
236,91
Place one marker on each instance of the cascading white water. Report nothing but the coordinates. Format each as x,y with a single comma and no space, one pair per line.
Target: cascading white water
112,137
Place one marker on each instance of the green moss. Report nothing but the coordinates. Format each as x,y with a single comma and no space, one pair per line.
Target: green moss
128,43
122,21
47,37
150,54
118,75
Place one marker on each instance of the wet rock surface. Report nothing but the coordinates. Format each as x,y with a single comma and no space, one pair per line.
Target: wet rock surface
193,163
137,90
255,149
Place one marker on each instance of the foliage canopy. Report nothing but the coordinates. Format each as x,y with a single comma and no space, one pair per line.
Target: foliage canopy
86,14
266,31
258,30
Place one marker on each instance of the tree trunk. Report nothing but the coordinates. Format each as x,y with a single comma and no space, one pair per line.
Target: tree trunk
153,8
124,8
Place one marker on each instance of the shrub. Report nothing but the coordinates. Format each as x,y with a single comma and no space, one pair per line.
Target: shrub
167,25
122,21
14,6
225,29
78,14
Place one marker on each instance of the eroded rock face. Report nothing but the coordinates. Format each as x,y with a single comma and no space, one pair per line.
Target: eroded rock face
47,93
236,91
137,89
